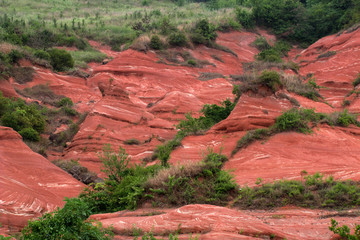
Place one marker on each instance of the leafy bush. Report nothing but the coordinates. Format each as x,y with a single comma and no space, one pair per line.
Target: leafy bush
65,102
114,164
178,39
30,134
314,192
42,55
193,183
61,59
67,223
14,56
245,18
345,119
295,120
271,79
261,43
204,32
155,42
344,231
269,55
18,115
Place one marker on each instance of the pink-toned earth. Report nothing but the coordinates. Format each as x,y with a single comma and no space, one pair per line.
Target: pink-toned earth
143,96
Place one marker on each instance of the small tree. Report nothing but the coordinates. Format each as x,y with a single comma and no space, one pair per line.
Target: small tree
114,164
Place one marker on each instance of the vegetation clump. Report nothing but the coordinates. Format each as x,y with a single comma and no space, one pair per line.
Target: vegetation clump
60,59
70,222
315,191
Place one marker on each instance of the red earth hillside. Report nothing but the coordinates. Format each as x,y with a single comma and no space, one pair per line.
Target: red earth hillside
136,100
29,184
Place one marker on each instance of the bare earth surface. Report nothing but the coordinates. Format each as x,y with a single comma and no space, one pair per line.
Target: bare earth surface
142,96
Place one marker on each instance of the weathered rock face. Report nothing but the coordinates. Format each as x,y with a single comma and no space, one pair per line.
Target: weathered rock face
334,61
135,101
212,222
331,151
29,184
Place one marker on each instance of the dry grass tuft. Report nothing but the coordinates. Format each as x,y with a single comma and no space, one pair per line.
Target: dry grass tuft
188,169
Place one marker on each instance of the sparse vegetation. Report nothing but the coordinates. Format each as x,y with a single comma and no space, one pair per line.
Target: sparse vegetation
315,191
297,120
79,172
344,231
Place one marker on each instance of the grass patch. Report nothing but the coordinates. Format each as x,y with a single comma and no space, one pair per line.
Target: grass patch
42,93
327,54
22,74
315,192
205,76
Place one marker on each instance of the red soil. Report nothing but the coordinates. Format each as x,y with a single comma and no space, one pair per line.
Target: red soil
29,184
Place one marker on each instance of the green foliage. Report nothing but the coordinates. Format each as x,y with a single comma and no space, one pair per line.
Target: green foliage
42,55
217,113
356,81
204,32
245,18
14,56
114,164
61,59
20,116
65,102
30,134
261,43
112,196
66,223
314,192
344,231
271,79
251,137
344,119
296,120
155,42
269,55
178,39
204,183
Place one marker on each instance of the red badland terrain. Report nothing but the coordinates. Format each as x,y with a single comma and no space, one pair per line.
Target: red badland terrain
141,96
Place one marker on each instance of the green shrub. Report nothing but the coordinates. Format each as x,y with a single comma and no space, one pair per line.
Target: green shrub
18,116
345,119
42,55
261,43
65,102
155,42
245,18
203,32
67,223
114,164
269,55
178,39
297,120
356,81
271,79
61,59
344,231
30,134
282,47
14,56
69,111
192,62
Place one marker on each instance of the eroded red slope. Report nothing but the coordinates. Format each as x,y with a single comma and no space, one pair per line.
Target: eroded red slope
29,184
